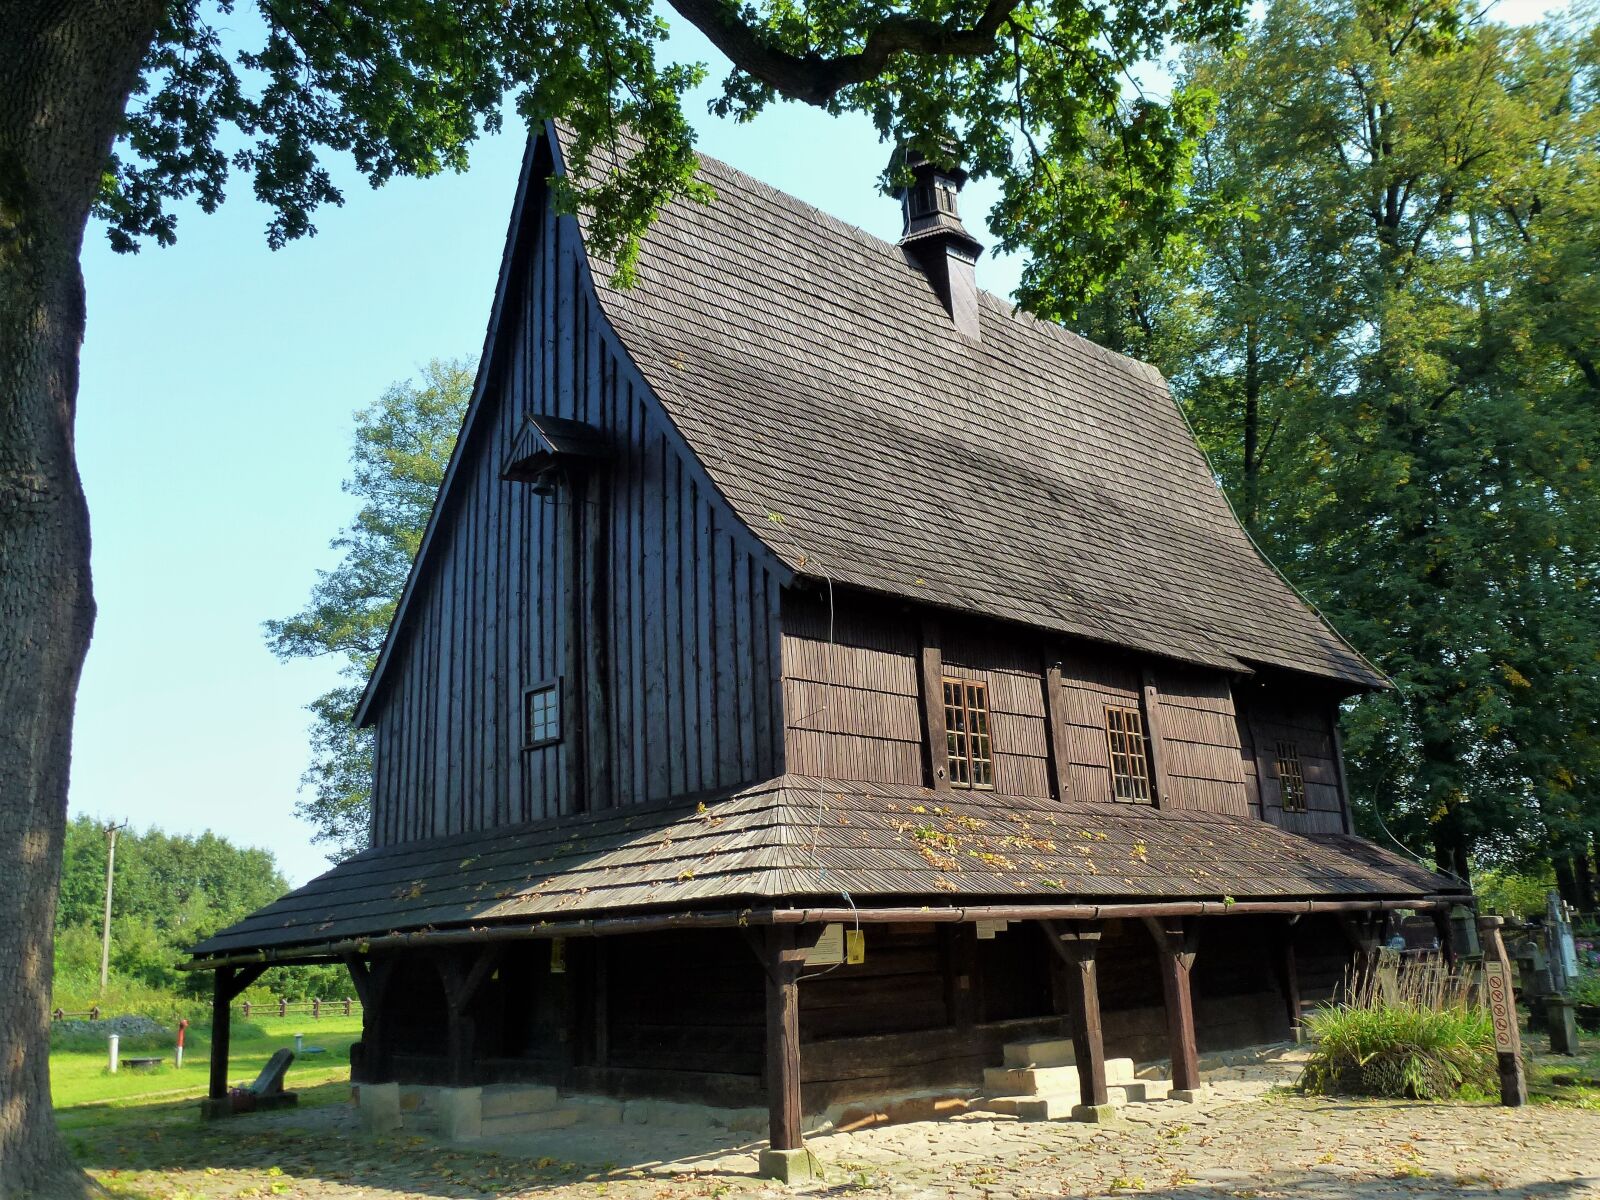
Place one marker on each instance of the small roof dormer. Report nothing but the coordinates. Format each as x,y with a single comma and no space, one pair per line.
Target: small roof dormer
932,233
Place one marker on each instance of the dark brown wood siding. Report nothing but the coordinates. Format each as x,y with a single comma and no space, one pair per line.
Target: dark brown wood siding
1200,742
853,703
683,693
1091,682
1269,714
1016,704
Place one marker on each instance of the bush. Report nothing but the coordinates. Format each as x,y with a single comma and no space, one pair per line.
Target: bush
1420,1038
1585,988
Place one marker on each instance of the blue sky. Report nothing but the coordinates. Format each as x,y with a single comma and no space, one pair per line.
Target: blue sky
218,383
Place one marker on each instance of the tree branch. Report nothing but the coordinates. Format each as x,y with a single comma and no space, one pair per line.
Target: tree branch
817,79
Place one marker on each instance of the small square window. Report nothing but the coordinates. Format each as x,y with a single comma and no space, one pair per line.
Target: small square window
968,750
541,715
1291,780
1130,764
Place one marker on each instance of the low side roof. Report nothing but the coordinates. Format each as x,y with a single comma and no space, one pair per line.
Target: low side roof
793,839
1035,477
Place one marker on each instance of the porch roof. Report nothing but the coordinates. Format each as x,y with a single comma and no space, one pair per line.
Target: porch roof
793,841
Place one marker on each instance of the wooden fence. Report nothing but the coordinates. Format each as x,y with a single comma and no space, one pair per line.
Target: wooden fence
315,1009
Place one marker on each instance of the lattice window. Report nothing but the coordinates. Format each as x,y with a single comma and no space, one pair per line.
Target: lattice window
966,729
1130,763
541,715
1291,780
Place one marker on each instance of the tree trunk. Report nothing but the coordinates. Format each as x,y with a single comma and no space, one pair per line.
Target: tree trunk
1565,887
66,70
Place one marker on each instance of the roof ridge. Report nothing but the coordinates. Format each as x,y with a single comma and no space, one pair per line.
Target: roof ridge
1001,304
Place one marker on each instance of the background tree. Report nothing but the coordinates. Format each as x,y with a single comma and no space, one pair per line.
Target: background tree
402,445
1381,325
172,890
404,88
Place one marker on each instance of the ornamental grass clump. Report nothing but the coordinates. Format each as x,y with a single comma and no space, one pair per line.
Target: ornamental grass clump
1416,1032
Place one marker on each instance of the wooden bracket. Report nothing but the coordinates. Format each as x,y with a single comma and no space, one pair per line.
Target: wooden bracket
1075,942
775,960
242,977
1175,936
461,984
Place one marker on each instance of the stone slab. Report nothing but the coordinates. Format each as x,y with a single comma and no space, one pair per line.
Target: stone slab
380,1107
789,1166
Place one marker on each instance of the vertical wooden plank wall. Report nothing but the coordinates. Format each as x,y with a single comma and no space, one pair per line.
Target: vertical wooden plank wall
1016,706
852,706
1273,716
1091,682
1200,743
688,614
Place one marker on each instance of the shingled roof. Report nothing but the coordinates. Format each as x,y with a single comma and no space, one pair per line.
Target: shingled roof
792,839
1034,476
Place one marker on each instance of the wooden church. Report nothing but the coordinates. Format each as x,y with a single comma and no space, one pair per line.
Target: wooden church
819,683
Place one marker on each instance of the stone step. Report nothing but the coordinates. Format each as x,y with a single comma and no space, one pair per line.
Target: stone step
1139,1091
1058,1106
1048,1081
1033,1108
512,1099
530,1122
1055,1052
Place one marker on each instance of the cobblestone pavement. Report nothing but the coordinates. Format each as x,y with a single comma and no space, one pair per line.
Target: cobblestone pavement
1244,1141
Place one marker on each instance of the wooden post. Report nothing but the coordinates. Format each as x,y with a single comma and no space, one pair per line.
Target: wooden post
960,976
1503,1008
1363,932
1445,929
461,984
1150,702
225,988
601,1008
1175,944
370,981
783,963
1077,944
221,1012
1055,716
1289,974
936,757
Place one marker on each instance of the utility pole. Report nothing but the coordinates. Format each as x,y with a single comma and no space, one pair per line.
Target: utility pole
105,929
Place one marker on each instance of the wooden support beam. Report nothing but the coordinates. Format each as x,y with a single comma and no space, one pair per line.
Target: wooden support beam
1346,813
1077,945
222,994
1288,972
1055,715
1445,929
462,980
1176,941
1150,698
960,975
600,1048
783,962
371,980
936,758
1363,931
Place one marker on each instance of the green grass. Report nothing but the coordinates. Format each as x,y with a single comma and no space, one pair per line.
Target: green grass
1561,1080
1412,1030
79,1079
